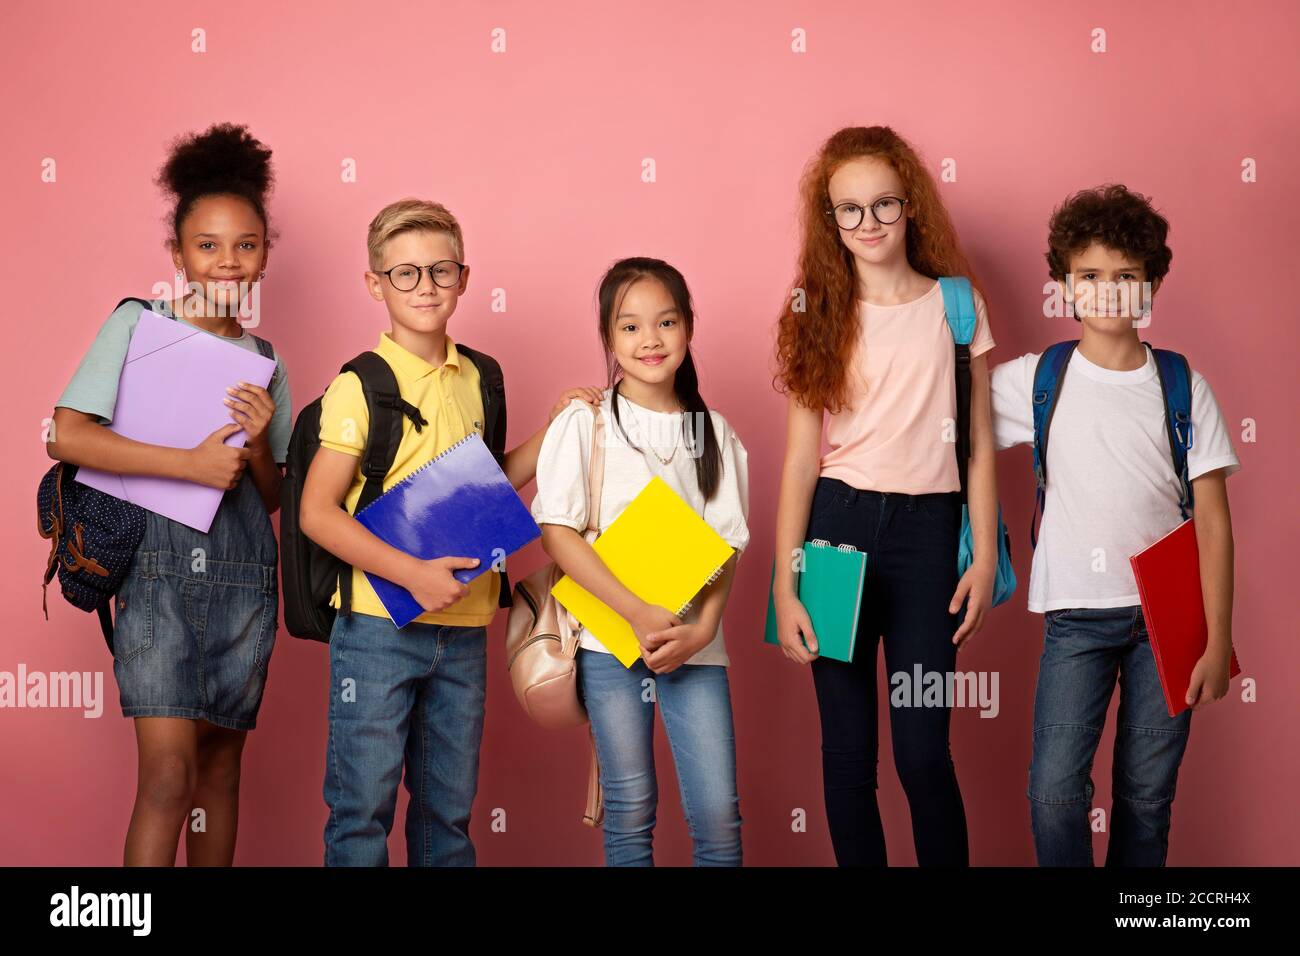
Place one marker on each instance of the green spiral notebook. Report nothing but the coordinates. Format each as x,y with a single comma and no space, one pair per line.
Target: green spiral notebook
830,587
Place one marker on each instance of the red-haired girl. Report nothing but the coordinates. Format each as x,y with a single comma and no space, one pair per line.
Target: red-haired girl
864,351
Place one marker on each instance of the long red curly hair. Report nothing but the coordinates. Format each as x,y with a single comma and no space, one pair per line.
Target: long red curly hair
813,347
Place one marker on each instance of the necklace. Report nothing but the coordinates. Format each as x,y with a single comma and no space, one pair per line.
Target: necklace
662,459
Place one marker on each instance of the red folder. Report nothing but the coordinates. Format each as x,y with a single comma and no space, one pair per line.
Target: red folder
1169,584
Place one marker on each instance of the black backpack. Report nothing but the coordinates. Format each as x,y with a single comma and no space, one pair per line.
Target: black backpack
309,573
93,536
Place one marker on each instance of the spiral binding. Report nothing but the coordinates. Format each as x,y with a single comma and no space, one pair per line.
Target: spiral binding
446,451
823,543
717,572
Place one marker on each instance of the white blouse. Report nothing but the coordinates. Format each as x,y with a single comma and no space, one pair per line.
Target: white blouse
562,466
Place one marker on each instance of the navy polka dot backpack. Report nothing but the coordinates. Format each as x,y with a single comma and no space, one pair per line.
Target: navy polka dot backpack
93,539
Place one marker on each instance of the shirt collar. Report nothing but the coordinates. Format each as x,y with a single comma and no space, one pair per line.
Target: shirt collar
1112,376
410,364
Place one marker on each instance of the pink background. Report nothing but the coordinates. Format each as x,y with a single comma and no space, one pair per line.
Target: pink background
538,152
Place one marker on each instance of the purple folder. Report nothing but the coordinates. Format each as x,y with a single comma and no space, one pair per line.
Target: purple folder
170,393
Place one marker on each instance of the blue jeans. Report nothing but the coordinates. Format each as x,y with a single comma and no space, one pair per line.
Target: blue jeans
414,696
696,705
1084,649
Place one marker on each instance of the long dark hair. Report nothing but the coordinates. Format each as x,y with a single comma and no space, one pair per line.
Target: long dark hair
686,383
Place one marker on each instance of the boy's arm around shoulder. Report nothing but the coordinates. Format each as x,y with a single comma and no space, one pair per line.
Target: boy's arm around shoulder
521,461
1011,388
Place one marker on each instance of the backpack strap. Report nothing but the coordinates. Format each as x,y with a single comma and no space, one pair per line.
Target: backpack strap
267,351
386,409
959,311
1176,385
959,308
595,473
1047,388
492,391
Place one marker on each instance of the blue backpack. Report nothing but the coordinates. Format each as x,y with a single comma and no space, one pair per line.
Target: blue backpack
959,309
1176,385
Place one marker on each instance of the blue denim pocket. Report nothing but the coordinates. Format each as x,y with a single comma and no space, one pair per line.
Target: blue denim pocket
134,623
266,637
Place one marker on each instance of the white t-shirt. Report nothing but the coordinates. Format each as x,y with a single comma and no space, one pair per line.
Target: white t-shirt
562,466
1111,487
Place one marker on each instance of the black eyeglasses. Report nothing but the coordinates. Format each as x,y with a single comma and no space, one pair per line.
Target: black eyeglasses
405,276
885,210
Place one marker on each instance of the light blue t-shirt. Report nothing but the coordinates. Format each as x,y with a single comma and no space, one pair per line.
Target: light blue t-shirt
93,389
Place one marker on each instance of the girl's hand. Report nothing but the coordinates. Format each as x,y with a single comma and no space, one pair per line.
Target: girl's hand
216,464
432,584
976,588
252,406
590,394
795,631
1209,679
651,619
675,646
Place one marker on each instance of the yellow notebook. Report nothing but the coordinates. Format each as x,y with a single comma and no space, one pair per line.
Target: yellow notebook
661,551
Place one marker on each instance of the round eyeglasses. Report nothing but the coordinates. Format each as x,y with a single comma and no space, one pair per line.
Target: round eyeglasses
405,276
885,210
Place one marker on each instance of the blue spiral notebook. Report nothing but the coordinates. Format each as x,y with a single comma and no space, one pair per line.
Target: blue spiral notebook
458,504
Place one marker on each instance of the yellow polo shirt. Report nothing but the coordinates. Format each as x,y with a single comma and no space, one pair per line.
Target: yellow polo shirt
449,398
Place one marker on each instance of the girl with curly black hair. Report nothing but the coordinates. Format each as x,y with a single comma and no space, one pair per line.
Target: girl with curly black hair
196,614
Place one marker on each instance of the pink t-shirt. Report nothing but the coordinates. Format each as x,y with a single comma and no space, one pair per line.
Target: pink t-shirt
898,431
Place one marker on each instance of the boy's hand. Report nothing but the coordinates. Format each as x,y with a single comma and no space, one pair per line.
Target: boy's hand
590,394
216,464
976,588
1209,679
252,406
432,584
674,646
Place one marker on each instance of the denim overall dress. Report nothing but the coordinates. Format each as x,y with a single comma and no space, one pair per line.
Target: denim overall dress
196,615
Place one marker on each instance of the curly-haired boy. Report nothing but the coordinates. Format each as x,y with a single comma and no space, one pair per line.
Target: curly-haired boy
1112,481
